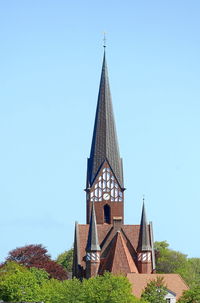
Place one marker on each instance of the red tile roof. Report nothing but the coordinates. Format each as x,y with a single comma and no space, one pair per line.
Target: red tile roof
122,249
173,283
119,259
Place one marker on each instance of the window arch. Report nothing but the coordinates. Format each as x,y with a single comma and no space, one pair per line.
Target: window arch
106,213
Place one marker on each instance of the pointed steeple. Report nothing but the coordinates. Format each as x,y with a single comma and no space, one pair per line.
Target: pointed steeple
76,254
144,240
104,141
93,242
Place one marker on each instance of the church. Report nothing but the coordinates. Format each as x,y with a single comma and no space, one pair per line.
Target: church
105,242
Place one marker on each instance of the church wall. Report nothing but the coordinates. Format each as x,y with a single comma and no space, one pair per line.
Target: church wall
145,268
116,210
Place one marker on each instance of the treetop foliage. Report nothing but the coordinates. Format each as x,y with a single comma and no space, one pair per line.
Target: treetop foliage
66,259
29,274
37,256
19,283
171,261
155,291
191,296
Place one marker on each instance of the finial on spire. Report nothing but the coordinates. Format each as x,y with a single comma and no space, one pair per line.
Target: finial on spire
143,199
104,40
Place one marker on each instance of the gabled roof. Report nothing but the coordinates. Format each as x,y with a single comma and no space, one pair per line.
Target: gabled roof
119,259
93,242
104,141
173,282
106,233
144,241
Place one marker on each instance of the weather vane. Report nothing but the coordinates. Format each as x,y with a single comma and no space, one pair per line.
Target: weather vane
104,39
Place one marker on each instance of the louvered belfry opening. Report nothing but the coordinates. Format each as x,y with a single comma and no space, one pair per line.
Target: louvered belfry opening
107,214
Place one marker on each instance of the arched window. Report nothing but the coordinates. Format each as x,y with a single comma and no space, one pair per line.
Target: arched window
106,213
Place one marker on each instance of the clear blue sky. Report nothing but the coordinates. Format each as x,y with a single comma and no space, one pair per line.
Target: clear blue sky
50,62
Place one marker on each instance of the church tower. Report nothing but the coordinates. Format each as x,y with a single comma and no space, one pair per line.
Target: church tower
105,243
104,171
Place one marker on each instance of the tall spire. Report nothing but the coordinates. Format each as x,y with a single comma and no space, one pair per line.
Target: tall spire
104,141
93,242
144,241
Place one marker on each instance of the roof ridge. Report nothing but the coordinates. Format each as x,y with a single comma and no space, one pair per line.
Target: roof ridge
183,281
127,252
113,244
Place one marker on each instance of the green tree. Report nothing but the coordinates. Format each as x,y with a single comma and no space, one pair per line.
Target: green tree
17,283
72,291
171,261
155,291
194,263
191,296
40,274
51,291
168,260
66,259
108,289
69,291
191,272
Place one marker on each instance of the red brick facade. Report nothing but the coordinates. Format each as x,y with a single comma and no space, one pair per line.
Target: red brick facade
117,255
116,207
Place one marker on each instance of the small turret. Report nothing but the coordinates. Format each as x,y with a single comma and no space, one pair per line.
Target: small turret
144,250
92,249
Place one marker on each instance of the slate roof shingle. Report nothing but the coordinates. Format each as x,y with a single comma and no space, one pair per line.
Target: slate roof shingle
104,141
